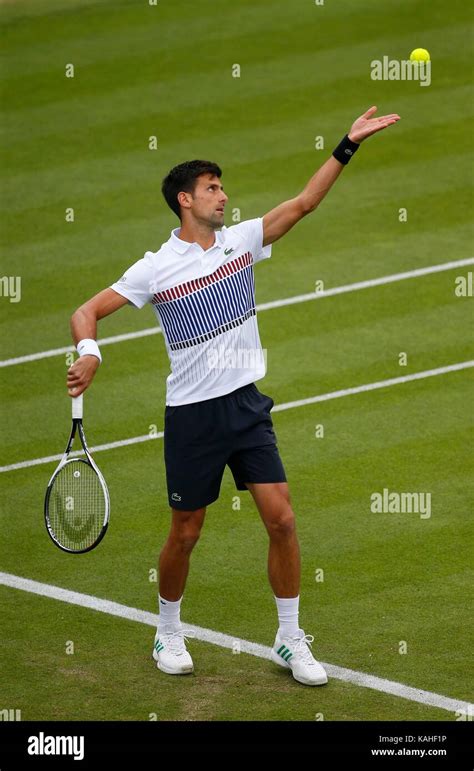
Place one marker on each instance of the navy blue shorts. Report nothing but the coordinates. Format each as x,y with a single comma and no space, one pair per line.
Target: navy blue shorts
202,438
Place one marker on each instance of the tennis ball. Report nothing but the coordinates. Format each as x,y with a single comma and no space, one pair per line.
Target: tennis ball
419,55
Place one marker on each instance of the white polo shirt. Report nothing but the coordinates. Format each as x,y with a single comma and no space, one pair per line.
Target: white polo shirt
204,302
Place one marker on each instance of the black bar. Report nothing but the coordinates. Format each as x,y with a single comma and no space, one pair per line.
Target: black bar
442,742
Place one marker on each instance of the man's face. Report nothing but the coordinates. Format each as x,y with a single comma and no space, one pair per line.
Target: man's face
208,201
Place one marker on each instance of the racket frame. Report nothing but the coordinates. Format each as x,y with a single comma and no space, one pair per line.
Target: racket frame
77,428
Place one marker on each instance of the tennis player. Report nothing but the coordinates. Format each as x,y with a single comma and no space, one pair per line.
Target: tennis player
201,286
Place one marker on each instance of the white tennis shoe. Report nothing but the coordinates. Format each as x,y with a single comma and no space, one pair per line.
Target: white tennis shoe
169,650
294,652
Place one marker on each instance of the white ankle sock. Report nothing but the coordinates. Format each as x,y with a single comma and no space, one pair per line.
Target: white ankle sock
169,611
288,608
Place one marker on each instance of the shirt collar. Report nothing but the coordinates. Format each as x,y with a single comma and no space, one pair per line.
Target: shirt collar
182,246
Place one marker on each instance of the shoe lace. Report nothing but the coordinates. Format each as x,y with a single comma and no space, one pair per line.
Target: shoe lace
302,646
175,640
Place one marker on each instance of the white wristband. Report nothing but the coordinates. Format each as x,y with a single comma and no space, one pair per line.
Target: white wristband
88,347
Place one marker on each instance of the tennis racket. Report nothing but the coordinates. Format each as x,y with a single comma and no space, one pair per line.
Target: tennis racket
76,505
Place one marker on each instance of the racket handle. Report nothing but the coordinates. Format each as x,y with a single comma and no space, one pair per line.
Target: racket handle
77,407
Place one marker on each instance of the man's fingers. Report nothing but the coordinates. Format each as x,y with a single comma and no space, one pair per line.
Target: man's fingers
79,376
383,125
75,388
382,119
386,122
74,392
76,383
365,126
369,112
392,115
380,123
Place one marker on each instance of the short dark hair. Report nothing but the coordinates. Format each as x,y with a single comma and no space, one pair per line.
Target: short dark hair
183,177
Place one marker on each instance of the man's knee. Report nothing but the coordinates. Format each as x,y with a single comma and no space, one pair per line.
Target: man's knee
186,528
281,522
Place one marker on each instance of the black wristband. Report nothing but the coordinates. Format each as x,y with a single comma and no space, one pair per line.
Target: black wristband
345,150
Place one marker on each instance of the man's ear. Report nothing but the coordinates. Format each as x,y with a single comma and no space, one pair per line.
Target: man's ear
184,199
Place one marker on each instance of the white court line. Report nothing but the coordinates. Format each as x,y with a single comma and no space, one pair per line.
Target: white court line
262,307
369,283
226,641
71,348
76,453
277,408
374,386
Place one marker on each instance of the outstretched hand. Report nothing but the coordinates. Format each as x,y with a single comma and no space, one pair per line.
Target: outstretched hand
366,125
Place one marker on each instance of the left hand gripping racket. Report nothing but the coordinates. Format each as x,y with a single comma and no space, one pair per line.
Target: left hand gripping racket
77,505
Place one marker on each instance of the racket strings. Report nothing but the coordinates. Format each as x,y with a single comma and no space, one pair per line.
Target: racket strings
77,505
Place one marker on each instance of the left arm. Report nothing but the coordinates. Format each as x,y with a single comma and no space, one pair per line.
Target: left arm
282,218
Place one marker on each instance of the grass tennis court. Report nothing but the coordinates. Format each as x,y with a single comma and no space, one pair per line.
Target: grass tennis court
83,143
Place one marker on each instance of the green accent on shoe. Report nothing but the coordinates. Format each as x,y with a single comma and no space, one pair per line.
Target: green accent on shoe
284,652
159,646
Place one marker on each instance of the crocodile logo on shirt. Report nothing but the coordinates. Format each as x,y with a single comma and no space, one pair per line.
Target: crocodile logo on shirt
228,251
